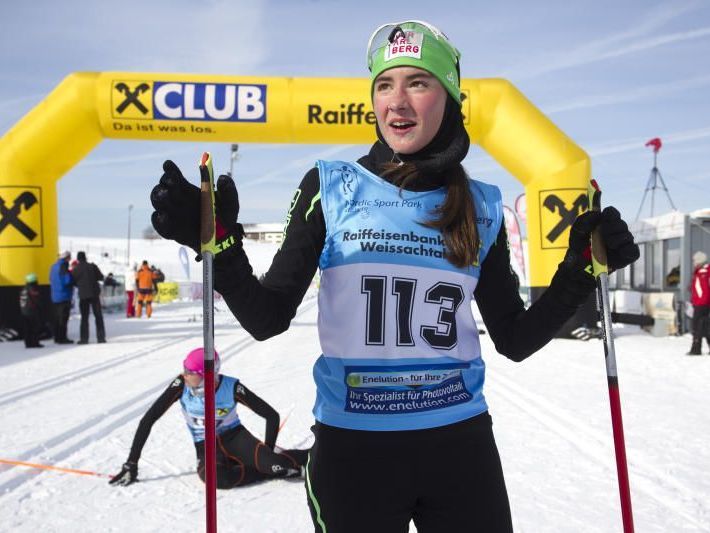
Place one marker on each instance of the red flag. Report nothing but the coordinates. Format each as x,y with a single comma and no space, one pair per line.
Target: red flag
655,143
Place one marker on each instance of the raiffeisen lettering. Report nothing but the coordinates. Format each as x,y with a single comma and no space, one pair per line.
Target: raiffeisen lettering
347,114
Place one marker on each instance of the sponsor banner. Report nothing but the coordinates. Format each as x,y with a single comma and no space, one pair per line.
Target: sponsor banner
225,108
132,99
89,106
558,210
398,390
167,291
173,100
21,217
209,101
345,114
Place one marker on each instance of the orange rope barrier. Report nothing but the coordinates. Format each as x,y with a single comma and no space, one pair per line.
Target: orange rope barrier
56,468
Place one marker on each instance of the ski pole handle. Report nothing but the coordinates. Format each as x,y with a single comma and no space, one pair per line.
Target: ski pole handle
207,215
599,259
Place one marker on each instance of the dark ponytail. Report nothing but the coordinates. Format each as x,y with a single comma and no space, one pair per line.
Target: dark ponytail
455,219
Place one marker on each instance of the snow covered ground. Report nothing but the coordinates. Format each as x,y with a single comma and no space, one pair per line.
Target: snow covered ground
78,407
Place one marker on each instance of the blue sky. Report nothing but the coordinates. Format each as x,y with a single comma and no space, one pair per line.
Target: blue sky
610,74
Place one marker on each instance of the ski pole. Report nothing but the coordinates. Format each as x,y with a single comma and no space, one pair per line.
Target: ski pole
283,422
54,468
207,246
599,264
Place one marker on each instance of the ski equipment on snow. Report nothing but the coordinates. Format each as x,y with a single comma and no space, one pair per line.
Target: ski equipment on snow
207,246
599,265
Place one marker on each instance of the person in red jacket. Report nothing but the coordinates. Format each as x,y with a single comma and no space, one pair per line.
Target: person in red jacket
700,298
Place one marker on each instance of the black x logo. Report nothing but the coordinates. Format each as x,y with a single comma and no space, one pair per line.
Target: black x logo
11,217
567,216
132,97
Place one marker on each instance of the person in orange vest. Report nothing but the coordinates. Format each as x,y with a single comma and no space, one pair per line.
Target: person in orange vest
144,284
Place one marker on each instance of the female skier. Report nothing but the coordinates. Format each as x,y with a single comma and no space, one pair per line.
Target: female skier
405,241
241,457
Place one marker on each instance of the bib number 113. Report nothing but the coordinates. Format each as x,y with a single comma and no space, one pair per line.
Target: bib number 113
447,296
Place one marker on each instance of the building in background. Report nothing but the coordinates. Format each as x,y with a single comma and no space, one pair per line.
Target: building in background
271,233
667,243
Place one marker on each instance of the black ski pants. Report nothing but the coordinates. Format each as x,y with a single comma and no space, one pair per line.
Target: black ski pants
95,305
61,318
32,326
701,326
446,479
244,459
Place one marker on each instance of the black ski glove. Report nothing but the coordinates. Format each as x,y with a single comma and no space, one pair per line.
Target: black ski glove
177,210
574,280
127,475
621,249
578,257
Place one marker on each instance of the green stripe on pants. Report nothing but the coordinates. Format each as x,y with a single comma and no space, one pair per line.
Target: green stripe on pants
312,496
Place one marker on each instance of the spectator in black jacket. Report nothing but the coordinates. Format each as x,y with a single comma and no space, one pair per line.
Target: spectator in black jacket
30,307
86,278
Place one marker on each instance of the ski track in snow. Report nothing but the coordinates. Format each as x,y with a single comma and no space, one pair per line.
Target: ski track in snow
554,433
75,438
93,428
58,381
666,491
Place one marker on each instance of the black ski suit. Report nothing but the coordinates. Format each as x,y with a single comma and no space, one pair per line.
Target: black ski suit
241,457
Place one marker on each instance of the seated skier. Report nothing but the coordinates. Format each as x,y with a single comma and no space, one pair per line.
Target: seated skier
241,457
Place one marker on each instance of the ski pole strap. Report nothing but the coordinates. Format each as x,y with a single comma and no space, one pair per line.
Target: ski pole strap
207,212
599,261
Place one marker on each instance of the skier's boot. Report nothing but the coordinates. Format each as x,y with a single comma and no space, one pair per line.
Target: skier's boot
695,347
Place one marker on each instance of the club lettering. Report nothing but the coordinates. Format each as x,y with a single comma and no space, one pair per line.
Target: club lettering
209,101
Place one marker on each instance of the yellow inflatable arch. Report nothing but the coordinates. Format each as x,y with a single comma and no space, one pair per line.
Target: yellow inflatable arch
87,107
